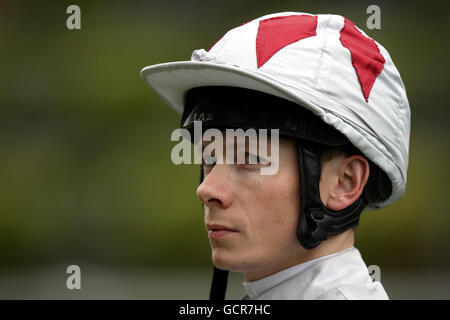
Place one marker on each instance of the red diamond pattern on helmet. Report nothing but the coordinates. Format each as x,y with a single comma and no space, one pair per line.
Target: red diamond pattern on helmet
366,57
276,33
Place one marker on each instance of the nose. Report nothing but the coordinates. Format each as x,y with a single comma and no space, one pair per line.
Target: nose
215,188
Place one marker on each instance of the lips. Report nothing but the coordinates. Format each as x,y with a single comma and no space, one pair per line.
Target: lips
216,231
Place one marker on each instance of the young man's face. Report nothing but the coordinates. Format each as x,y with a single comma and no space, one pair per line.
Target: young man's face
251,218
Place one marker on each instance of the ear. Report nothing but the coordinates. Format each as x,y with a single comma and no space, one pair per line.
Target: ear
344,181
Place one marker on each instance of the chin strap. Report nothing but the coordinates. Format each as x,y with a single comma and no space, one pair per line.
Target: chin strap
219,285
317,221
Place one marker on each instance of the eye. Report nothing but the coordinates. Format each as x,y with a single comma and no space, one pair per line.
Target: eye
253,159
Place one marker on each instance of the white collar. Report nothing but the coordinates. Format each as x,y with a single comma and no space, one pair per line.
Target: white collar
254,289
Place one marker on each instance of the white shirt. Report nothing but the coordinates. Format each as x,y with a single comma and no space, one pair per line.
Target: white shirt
338,276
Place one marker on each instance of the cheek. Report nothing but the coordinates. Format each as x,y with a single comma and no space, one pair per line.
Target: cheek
277,209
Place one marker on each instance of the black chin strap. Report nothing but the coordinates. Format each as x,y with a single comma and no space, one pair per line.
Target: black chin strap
219,285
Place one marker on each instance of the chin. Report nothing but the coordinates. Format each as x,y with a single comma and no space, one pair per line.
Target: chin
225,260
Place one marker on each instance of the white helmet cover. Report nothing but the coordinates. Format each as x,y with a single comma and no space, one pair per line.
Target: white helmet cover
322,62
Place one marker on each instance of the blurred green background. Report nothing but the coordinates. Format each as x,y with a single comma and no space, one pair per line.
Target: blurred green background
85,169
